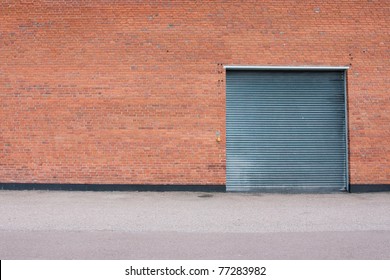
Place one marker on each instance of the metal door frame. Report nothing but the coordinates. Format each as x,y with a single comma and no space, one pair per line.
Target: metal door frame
344,69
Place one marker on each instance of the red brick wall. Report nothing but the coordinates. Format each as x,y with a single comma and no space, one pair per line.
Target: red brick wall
133,91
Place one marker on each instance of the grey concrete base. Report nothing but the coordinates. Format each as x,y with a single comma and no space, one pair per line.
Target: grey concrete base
188,246
288,190
189,225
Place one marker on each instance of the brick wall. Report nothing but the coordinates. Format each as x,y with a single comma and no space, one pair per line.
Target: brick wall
134,91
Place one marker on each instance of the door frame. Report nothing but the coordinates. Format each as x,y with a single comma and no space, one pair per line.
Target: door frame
343,69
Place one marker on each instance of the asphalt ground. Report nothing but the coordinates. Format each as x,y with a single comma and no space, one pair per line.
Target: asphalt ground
191,225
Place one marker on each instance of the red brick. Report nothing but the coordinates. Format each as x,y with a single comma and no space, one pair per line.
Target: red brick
134,91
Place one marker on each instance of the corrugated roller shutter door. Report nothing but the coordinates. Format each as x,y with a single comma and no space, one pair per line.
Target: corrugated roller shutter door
285,129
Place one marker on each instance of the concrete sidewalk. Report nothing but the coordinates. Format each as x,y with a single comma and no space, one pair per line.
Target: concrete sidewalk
186,225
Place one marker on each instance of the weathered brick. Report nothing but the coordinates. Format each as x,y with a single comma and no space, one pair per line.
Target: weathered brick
134,91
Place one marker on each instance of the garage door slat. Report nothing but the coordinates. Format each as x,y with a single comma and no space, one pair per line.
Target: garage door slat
285,129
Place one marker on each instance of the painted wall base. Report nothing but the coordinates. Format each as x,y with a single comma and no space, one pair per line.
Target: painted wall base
362,188
358,188
112,187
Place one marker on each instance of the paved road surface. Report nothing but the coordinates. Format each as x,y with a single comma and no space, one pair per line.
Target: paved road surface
187,225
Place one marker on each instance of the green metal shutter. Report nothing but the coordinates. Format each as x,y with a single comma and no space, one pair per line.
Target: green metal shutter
285,129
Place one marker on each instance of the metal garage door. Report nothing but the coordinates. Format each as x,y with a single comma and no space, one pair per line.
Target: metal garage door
285,129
